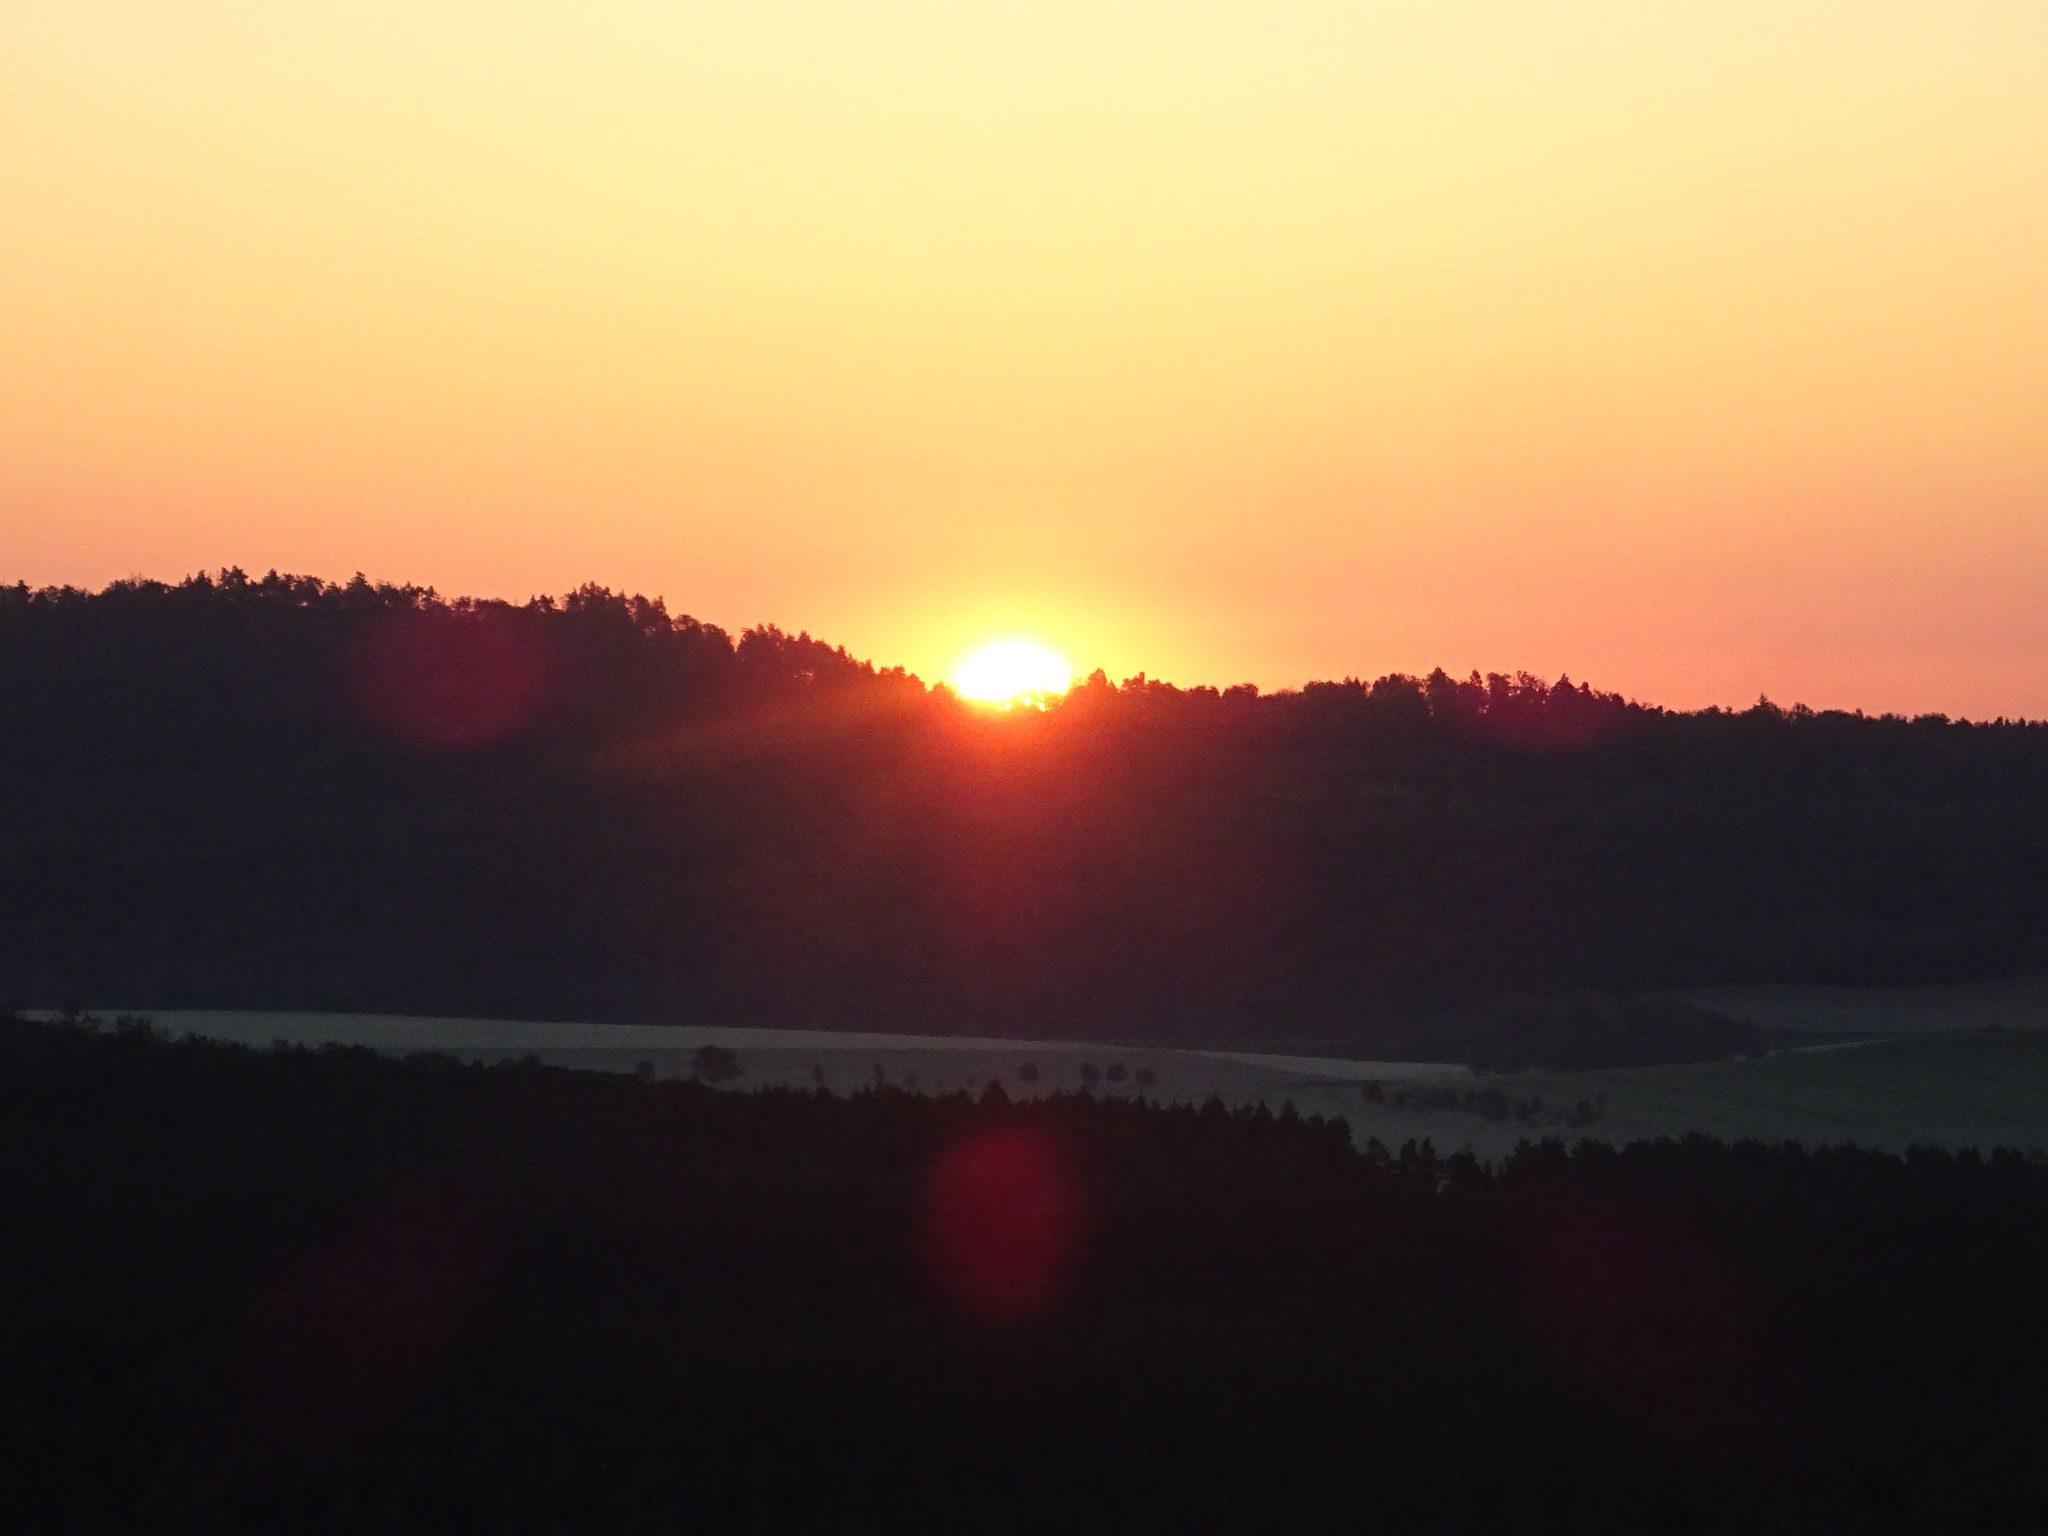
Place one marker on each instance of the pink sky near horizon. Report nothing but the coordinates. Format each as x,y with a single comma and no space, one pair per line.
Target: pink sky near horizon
1698,351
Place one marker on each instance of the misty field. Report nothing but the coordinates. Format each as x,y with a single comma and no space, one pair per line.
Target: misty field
1960,1089
1983,1086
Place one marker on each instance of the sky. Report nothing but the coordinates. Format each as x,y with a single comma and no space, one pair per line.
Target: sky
1698,350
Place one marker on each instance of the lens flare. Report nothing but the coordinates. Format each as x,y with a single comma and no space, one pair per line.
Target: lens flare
1012,671
1001,1223
451,681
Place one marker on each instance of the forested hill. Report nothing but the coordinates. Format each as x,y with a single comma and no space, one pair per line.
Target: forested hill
286,794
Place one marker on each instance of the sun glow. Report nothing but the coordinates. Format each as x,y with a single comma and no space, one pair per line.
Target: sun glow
1013,671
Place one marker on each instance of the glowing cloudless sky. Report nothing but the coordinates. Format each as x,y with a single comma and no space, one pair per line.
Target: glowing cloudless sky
1698,348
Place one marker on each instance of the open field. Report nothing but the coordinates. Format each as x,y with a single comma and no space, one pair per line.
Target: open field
2016,1004
838,1061
1978,1087
1962,1088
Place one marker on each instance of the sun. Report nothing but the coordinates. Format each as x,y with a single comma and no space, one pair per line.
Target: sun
1011,671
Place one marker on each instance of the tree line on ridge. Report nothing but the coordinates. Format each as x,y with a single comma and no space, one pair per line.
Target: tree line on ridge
279,792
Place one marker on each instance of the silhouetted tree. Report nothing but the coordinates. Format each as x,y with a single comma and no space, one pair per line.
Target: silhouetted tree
714,1064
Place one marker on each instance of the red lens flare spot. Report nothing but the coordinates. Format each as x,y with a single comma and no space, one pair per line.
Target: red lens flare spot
347,1330
1001,1225
451,681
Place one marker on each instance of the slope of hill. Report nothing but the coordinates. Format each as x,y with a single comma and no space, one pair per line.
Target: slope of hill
277,793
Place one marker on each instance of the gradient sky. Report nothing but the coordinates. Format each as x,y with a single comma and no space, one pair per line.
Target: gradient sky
1697,348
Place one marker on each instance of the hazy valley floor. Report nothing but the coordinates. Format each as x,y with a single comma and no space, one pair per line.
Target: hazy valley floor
1893,1068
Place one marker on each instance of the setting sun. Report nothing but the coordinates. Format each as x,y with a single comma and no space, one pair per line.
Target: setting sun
1010,672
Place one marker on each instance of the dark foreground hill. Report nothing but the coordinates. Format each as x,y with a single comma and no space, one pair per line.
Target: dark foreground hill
290,1291
282,794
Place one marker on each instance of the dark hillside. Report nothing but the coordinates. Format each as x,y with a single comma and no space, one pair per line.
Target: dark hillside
293,1291
278,793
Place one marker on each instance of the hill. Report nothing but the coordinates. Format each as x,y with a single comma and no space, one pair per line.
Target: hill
281,793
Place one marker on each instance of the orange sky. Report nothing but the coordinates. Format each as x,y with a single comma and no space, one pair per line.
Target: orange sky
1697,349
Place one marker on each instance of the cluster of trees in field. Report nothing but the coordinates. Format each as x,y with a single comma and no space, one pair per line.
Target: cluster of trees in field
1489,1103
1090,1076
279,792
298,1290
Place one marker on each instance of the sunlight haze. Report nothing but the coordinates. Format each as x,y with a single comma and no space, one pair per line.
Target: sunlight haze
1009,670
1696,350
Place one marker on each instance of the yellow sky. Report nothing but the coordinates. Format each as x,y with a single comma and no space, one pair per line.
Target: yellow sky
1697,349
